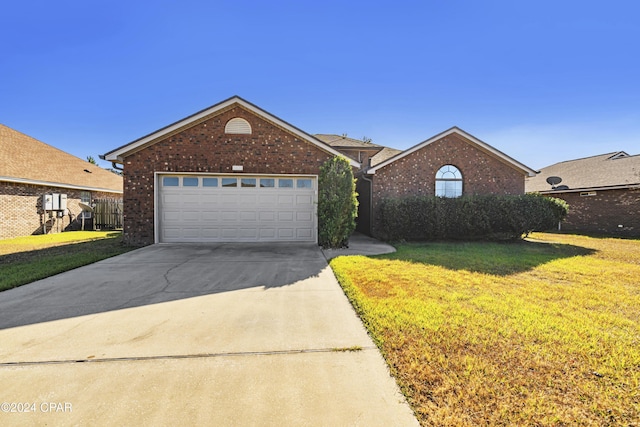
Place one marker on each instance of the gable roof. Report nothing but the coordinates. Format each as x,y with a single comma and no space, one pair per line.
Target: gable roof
469,138
384,154
604,171
26,160
343,141
119,153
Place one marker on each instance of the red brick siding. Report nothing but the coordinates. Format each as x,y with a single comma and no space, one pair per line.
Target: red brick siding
415,174
604,212
204,148
21,211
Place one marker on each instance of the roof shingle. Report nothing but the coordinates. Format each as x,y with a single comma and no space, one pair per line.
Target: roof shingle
28,160
617,169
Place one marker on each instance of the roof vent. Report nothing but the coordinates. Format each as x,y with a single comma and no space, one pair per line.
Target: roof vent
238,126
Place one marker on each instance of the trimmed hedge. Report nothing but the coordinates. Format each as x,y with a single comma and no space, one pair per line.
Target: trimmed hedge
469,217
337,203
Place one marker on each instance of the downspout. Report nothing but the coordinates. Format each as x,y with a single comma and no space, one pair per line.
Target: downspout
116,167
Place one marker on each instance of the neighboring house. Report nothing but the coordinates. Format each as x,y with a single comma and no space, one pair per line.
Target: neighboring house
231,172
603,192
29,170
450,164
234,172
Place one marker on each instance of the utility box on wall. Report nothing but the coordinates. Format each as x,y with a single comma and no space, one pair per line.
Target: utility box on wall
47,202
54,202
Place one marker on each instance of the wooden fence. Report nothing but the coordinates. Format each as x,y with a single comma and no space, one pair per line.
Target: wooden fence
107,214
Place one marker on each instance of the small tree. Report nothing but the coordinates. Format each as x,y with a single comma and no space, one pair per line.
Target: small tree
337,203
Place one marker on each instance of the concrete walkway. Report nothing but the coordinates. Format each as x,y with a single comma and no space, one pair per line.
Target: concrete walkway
227,334
359,244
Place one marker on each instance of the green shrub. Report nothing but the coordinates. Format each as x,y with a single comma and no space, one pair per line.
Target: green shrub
337,203
469,217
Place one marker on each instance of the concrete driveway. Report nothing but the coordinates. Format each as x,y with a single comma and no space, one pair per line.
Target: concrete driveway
226,334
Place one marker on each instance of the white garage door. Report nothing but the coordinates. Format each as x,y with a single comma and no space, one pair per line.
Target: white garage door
227,208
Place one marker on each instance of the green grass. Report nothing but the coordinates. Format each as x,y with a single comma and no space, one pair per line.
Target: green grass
543,332
27,259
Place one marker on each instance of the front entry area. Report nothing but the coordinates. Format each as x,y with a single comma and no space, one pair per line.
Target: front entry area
236,208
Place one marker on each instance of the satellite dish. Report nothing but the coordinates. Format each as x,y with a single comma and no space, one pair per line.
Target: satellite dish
554,180
85,207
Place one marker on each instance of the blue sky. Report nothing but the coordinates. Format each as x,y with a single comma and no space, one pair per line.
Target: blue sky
543,81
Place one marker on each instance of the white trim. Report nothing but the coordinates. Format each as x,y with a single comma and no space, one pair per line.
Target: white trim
499,154
118,154
56,184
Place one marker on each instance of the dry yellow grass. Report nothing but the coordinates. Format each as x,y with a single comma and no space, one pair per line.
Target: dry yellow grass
544,332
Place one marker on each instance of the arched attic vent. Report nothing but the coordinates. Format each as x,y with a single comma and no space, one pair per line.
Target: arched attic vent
238,126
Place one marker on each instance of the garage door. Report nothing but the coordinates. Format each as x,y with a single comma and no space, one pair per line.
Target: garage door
227,208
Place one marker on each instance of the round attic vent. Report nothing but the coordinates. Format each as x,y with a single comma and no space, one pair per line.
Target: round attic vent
238,126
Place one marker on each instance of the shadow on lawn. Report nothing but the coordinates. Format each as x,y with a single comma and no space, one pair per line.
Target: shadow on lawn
500,259
68,248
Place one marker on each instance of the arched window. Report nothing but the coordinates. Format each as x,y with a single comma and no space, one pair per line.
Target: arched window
448,182
238,126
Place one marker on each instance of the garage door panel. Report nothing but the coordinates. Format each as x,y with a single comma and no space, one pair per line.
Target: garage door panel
228,215
247,199
171,215
230,199
190,199
230,233
285,233
247,216
267,233
303,216
210,233
225,214
248,233
304,200
267,216
191,233
191,216
286,200
268,199
285,216
304,233
210,216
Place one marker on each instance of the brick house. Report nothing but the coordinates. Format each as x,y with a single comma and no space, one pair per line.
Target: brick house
234,172
30,169
231,172
450,164
603,192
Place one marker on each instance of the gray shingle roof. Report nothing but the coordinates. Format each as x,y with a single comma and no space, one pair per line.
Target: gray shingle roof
25,159
611,170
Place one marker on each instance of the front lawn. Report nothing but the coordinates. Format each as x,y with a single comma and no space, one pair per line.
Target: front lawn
30,258
542,332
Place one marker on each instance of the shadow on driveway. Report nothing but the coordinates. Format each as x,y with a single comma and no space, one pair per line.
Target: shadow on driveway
156,274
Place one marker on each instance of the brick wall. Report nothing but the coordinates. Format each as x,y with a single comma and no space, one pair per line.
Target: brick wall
21,212
204,147
415,174
604,212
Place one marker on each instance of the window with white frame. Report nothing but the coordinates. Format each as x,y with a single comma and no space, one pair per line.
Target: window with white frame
448,182
85,197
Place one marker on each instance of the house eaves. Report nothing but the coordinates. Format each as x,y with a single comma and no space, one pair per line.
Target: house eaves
583,189
56,184
455,130
118,155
